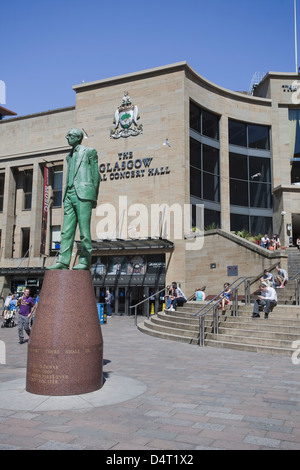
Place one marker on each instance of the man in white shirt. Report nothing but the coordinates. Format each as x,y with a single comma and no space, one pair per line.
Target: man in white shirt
265,241
267,299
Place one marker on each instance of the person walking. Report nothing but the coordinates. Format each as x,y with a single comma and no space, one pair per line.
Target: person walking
108,300
25,303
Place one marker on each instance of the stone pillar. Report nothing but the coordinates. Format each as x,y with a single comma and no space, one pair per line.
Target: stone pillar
224,171
65,349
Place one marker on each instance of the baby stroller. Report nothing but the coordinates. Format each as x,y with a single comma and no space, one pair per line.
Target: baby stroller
9,319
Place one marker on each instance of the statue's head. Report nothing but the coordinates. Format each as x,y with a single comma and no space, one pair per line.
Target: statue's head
74,137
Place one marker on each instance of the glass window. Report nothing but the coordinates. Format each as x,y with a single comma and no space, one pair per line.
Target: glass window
55,237
258,137
295,173
204,122
212,219
239,222
238,192
25,242
210,125
195,153
210,159
2,178
260,195
211,187
27,189
195,182
260,169
57,186
261,225
195,117
238,166
237,133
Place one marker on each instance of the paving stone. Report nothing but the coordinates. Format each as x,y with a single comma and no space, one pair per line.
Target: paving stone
191,398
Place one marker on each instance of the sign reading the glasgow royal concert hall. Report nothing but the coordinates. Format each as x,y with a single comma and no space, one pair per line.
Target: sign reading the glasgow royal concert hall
126,120
126,167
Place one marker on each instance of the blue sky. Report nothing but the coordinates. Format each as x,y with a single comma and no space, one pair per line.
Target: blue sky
47,47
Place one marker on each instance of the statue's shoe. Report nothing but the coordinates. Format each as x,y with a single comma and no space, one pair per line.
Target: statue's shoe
58,266
81,266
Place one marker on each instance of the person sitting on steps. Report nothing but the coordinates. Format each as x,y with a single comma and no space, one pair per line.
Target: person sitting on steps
226,298
266,300
177,298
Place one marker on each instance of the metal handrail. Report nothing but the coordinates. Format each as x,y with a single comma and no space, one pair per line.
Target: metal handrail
294,277
214,302
141,302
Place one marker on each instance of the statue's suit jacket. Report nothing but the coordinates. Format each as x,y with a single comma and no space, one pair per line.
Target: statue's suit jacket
86,174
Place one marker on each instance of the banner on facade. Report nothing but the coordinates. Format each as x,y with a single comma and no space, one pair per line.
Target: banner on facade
45,210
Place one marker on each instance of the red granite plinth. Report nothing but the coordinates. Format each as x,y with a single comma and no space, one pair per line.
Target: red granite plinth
65,349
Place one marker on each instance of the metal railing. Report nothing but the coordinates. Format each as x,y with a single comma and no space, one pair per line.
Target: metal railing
296,279
142,301
213,304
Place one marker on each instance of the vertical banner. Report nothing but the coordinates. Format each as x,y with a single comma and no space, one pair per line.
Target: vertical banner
45,210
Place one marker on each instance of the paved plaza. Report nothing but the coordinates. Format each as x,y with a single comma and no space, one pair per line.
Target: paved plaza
157,395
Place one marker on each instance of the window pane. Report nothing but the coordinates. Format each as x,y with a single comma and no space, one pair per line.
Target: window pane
258,137
238,166
212,219
195,183
239,222
260,195
211,188
2,176
238,193
27,189
295,173
210,159
210,125
57,179
260,169
57,186
195,152
195,117
55,237
27,201
237,133
25,242
261,225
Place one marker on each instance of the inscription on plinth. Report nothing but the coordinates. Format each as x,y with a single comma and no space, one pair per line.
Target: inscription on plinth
65,350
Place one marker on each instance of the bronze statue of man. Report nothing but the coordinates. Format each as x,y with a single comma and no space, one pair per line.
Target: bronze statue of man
80,197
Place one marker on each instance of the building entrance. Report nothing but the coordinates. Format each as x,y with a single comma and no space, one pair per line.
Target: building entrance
131,279
295,227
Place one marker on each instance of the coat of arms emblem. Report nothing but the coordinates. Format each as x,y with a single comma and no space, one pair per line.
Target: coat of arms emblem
126,119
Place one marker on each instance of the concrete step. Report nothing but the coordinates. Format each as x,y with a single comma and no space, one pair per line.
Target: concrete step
255,333
220,343
255,341
167,327
274,335
144,328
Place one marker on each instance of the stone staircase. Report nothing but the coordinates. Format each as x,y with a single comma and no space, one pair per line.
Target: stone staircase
274,335
293,261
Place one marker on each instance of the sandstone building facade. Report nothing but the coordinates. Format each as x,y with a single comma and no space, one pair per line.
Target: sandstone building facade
171,145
